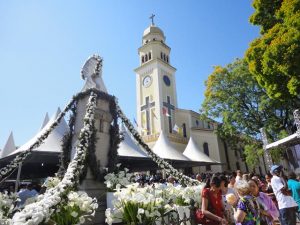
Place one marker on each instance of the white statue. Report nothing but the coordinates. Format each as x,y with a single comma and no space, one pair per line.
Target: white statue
92,73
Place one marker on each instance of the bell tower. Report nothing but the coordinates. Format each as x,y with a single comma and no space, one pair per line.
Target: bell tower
155,84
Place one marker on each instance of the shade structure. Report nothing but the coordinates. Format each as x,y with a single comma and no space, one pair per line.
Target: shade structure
39,164
9,146
194,153
287,141
129,148
53,142
45,121
164,149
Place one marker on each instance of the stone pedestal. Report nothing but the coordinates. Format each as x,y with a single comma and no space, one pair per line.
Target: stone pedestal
97,190
103,120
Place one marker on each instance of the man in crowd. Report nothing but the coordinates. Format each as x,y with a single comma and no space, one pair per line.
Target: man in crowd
25,194
294,186
286,203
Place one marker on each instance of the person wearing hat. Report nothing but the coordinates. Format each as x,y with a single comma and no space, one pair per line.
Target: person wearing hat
286,203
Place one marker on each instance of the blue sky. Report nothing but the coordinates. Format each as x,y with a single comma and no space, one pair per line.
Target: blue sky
43,45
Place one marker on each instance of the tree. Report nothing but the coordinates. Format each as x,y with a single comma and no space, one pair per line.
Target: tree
274,57
234,96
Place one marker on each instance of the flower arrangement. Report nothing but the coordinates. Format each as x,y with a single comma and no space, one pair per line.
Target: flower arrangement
7,205
118,179
51,182
42,210
75,208
135,205
149,204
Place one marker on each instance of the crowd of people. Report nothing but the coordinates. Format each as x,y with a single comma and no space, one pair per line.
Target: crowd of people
247,199
258,200
230,198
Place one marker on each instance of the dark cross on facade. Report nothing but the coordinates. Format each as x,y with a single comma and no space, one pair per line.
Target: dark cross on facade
152,19
170,107
147,108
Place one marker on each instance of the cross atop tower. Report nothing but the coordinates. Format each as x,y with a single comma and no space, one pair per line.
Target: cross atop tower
152,19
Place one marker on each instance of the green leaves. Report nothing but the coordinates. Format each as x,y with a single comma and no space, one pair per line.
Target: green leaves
234,96
274,57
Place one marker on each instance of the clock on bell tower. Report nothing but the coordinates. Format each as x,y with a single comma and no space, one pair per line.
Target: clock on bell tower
155,84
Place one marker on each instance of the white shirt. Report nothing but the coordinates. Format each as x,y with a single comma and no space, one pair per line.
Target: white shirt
238,178
284,201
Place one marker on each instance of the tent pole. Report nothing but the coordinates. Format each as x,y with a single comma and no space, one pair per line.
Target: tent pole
18,177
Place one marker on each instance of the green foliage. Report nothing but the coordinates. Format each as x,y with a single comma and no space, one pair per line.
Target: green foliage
274,57
277,154
253,153
264,14
233,95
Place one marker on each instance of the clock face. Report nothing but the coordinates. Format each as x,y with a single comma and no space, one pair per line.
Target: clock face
167,80
147,81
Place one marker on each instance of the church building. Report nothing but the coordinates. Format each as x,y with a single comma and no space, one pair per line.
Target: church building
158,111
175,134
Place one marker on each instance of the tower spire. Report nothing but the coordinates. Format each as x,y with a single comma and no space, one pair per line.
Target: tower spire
152,19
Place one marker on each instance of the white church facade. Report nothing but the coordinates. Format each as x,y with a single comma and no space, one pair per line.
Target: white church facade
158,111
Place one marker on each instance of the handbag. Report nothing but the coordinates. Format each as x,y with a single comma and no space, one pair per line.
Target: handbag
200,218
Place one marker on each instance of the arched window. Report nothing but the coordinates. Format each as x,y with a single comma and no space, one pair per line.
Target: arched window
101,126
205,148
164,57
149,55
208,125
146,58
260,170
206,152
197,123
184,130
167,59
161,55
143,59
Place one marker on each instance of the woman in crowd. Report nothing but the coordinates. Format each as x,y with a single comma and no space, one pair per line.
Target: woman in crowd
268,210
268,178
246,177
212,206
228,210
231,181
247,207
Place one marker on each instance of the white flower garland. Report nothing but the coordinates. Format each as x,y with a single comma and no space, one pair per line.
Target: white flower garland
40,211
22,155
170,170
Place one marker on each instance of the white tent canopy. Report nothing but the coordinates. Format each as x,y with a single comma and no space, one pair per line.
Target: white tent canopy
164,149
9,147
129,148
53,142
46,120
282,141
194,153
